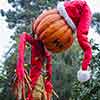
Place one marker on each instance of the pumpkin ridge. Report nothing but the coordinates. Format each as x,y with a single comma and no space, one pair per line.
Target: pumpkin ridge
46,22
42,15
67,38
50,30
58,33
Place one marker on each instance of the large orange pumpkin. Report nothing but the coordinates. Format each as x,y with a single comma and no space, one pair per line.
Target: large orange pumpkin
52,29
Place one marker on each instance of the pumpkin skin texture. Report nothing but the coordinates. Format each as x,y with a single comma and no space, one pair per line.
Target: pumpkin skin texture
52,29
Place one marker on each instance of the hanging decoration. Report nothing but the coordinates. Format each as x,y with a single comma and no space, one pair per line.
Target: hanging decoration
54,29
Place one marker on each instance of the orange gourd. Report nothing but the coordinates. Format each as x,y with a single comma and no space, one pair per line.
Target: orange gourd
52,29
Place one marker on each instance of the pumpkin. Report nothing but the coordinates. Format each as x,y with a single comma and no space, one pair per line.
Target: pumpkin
52,29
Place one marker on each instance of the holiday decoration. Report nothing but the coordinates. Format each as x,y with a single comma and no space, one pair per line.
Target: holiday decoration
40,71
52,29
78,16
55,28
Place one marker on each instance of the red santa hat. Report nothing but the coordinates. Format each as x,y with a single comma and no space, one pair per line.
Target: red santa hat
78,16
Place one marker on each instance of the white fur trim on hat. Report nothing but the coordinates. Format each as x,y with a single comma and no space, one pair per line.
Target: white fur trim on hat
83,75
62,11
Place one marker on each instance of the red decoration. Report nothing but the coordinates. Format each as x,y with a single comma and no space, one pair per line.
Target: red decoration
73,16
36,65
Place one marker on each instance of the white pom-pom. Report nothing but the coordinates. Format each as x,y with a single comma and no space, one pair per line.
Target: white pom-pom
83,75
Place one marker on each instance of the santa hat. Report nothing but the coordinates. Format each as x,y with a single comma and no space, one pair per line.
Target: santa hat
81,23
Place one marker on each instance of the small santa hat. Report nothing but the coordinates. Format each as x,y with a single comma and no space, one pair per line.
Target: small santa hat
82,27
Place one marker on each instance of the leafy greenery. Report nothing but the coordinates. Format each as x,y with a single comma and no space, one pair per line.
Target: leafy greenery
90,90
96,22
